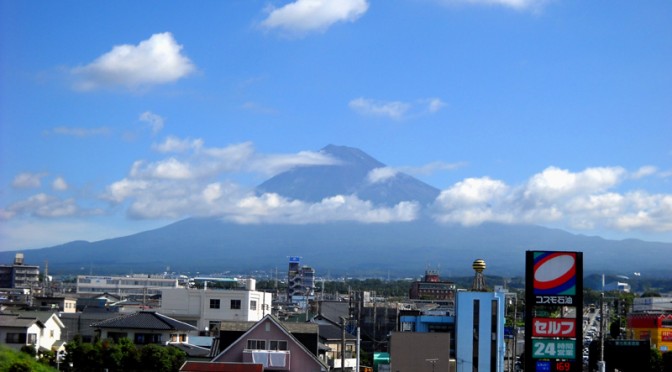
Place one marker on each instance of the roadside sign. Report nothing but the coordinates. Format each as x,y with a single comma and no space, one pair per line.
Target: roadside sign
553,349
554,327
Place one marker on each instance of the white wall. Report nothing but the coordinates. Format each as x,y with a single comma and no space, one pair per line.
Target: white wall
183,303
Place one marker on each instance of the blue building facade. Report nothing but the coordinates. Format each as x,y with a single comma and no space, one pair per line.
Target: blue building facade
480,331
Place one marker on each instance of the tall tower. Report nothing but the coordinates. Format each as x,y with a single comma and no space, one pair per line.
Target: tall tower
479,279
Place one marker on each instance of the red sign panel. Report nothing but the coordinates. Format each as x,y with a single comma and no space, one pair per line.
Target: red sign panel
666,335
554,327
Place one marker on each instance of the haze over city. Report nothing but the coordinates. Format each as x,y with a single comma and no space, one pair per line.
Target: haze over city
119,117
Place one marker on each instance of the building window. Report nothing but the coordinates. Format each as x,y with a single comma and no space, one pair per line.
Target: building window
277,345
253,305
214,303
32,338
147,338
235,304
256,344
15,338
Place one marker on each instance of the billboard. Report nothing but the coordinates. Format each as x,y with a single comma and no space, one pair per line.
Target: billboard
553,315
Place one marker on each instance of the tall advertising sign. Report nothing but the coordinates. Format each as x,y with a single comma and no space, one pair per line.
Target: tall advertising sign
553,311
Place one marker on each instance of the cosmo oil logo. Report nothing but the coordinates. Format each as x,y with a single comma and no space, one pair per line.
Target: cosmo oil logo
555,273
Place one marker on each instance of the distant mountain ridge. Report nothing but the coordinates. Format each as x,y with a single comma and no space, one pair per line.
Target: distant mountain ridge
343,248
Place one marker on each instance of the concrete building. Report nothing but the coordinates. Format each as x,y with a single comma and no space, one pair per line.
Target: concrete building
431,287
207,308
65,304
420,352
19,275
652,304
480,326
123,286
480,331
300,283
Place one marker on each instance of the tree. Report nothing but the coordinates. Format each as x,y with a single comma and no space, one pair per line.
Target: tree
154,358
111,355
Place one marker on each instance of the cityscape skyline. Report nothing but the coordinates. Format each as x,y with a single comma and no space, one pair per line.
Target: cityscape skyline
120,118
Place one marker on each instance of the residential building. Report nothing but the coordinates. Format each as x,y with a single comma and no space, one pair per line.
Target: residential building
206,308
124,286
17,331
195,366
144,327
340,345
19,275
78,324
270,343
65,304
42,330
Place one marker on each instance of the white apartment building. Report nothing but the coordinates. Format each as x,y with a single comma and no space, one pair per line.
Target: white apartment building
206,308
123,286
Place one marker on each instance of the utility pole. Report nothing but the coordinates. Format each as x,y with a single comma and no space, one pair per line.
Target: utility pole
342,343
601,365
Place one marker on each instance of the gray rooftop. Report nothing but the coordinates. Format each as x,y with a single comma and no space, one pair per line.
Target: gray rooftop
145,320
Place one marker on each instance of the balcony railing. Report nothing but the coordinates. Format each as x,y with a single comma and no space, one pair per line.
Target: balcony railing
270,359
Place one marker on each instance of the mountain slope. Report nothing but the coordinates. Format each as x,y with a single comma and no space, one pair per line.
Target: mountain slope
343,248
402,249
349,177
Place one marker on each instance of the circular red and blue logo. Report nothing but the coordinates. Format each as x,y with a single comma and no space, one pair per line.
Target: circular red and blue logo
555,273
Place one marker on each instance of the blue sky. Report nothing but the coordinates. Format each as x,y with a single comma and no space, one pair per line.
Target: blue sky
117,117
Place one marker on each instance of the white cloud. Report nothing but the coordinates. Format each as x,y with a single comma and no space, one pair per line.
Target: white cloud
174,144
155,121
393,110
396,109
381,174
560,198
514,4
80,132
432,168
435,105
273,164
47,206
59,184
553,182
28,180
157,60
269,208
170,168
303,16
644,171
